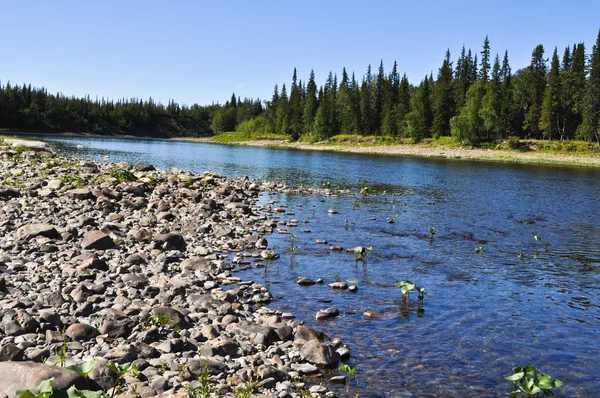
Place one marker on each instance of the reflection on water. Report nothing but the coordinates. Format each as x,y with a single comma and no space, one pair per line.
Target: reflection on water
497,297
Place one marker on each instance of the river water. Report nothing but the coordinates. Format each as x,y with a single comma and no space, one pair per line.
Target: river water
511,270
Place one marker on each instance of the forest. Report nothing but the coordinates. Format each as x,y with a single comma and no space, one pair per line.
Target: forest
476,98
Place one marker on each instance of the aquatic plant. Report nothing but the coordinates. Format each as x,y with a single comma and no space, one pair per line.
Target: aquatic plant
406,287
123,175
479,250
293,247
532,383
349,370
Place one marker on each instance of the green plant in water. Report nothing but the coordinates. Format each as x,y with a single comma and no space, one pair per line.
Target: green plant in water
532,383
406,287
431,232
293,247
337,277
123,175
349,370
479,250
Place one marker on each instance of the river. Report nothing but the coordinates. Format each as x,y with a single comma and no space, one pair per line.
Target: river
511,269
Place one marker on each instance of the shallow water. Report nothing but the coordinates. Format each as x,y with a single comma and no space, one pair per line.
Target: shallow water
518,302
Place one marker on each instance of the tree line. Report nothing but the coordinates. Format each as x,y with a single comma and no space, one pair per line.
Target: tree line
472,100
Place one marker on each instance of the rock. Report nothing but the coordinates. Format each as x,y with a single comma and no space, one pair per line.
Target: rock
81,332
261,243
97,240
174,239
305,368
10,352
196,264
226,347
80,194
322,355
305,282
32,230
304,334
327,313
338,380
28,375
9,193
339,285
144,167
175,318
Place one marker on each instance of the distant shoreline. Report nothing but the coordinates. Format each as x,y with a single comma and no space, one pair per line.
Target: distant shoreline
417,150
414,150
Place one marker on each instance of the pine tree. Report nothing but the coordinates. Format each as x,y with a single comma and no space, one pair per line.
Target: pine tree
506,99
591,105
550,120
578,82
325,120
491,103
295,109
467,126
355,116
344,105
380,90
443,99
537,87
367,107
403,106
282,113
420,119
310,104
566,97
485,60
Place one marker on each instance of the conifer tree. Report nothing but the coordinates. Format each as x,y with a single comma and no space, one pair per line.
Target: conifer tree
367,106
550,120
591,104
403,106
491,103
295,109
310,104
485,60
443,99
506,99
537,87
420,118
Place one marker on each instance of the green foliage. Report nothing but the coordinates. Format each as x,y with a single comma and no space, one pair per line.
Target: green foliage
532,383
71,179
83,369
202,387
43,390
293,247
122,175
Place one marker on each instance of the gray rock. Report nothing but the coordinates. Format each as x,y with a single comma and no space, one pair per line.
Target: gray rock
97,240
81,332
144,167
28,375
10,352
327,313
33,230
305,282
9,193
322,355
174,239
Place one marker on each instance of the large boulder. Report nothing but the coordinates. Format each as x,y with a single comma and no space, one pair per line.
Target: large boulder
38,229
28,375
97,240
321,355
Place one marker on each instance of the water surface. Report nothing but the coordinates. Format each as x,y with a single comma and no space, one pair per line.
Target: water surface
519,301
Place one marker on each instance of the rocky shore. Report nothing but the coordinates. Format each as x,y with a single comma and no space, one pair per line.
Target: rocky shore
115,263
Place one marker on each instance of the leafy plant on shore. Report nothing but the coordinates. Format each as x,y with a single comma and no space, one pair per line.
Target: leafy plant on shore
77,181
122,175
120,370
532,383
203,388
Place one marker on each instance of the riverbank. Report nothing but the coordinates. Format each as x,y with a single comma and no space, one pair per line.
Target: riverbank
531,152
113,263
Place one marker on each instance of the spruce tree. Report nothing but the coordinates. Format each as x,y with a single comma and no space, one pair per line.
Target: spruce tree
420,118
310,103
367,106
485,60
537,88
443,99
295,109
403,106
550,120
491,103
506,99
591,104
380,90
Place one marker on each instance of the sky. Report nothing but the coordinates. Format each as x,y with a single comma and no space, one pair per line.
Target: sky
202,52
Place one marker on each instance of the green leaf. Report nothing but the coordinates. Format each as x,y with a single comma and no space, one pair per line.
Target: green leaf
514,394
83,369
73,392
25,394
515,377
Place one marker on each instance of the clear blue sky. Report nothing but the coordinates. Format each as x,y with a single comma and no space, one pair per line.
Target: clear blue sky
201,51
